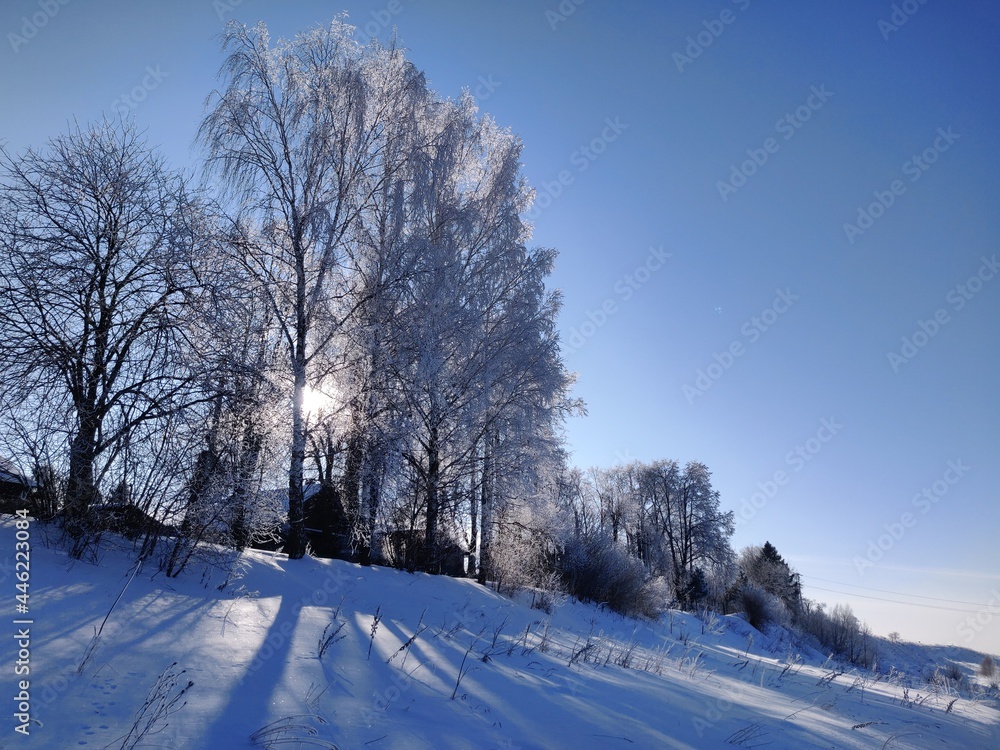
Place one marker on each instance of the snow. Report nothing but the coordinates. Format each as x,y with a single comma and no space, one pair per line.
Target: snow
529,680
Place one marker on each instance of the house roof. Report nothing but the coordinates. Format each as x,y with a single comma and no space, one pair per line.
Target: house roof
10,474
280,495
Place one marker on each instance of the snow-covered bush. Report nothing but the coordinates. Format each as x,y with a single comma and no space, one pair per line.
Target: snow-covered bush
760,607
765,567
839,632
593,568
988,667
521,550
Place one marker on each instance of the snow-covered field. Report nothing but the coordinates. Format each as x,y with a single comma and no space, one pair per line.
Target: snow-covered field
449,664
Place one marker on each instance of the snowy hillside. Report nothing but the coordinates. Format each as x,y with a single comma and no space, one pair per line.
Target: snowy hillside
415,661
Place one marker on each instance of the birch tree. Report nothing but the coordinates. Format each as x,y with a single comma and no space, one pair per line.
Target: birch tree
477,362
383,224
293,136
383,237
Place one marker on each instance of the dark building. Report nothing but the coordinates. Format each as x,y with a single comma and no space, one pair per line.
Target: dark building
14,487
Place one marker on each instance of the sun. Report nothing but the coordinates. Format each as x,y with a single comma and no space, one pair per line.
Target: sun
317,401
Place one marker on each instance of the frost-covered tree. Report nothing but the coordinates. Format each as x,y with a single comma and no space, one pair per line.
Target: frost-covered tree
294,135
386,251
235,430
765,567
476,359
575,499
666,516
383,226
686,513
615,496
528,391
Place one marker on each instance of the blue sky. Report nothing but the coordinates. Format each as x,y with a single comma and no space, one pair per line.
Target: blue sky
696,165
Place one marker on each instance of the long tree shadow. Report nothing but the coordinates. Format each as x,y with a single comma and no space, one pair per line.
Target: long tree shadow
253,697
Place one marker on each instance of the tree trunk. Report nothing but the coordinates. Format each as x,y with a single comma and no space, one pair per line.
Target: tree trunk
473,521
81,490
485,513
371,490
296,543
249,458
352,476
431,528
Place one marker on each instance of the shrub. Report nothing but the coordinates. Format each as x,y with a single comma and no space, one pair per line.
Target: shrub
760,607
953,672
766,568
694,590
988,667
944,675
547,595
48,494
594,569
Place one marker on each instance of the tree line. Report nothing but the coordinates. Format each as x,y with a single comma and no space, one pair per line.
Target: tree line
348,295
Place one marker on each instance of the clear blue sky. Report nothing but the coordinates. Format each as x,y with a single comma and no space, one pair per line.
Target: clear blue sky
739,138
